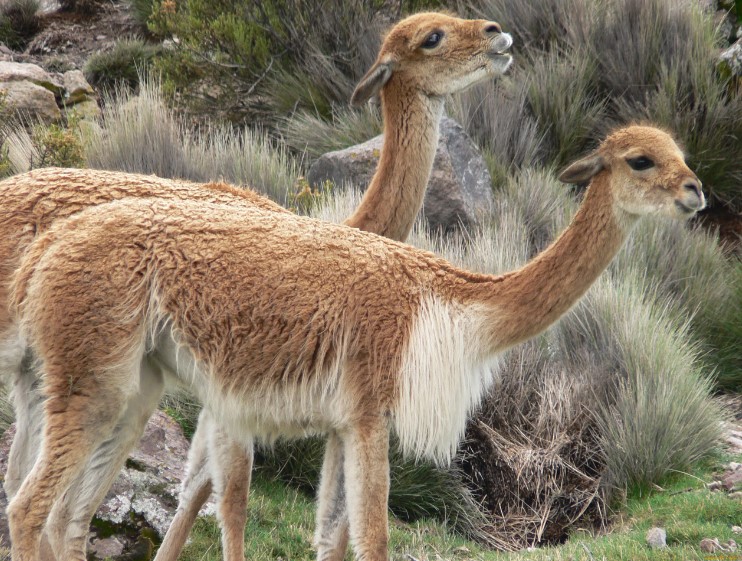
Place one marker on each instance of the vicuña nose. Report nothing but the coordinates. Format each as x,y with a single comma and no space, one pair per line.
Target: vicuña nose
695,186
492,28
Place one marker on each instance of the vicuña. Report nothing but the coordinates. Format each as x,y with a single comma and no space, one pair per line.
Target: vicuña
286,326
423,58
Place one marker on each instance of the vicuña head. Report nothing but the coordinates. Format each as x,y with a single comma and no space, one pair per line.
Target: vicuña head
286,326
648,171
439,54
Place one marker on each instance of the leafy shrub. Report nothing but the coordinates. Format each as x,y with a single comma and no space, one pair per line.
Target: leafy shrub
42,145
122,65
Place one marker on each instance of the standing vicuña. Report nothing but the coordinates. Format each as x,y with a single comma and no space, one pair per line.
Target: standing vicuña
423,58
287,326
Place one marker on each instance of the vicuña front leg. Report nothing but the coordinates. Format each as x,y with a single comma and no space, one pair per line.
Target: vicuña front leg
366,447
331,536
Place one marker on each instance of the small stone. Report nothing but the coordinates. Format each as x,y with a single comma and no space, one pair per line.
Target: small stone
100,37
714,486
106,548
709,545
731,545
737,495
656,538
736,529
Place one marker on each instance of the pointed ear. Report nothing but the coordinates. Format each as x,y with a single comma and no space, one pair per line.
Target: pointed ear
372,82
582,171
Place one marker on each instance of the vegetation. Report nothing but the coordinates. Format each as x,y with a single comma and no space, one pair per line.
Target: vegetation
684,507
19,21
594,415
122,65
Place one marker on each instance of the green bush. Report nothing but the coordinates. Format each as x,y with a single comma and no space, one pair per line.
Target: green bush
271,58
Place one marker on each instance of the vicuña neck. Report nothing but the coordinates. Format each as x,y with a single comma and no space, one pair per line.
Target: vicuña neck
525,302
395,195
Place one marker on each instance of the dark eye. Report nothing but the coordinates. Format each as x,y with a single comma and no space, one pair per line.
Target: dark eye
641,163
432,40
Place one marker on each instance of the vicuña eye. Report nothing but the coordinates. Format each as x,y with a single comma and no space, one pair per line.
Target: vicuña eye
432,40
641,163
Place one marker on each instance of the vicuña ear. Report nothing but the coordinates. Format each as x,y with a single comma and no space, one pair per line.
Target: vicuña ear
372,82
582,171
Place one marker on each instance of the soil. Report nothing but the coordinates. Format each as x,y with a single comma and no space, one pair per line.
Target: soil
66,40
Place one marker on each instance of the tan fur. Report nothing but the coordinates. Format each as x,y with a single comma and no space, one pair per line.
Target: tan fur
411,104
287,325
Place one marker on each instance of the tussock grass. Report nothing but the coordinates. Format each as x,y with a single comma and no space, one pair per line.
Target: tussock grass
122,65
311,135
19,21
588,66
140,134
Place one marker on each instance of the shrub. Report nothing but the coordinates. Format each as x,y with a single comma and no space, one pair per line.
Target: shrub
42,145
271,58
19,21
122,65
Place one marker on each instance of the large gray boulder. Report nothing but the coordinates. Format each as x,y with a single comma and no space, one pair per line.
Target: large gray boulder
459,188
142,501
27,72
30,99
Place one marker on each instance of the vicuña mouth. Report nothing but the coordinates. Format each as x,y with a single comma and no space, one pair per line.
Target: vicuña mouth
685,209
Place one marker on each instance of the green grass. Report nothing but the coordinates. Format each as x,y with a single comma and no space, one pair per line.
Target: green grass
281,525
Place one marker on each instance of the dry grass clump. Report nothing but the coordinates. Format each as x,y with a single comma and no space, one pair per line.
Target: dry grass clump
140,134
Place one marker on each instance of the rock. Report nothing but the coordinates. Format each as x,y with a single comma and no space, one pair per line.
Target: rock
30,99
732,478
656,538
731,59
142,500
709,545
731,545
736,529
714,486
105,548
459,188
76,87
27,72
86,110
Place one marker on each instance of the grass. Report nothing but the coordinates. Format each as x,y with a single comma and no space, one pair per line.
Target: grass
141,134
281,525
122,65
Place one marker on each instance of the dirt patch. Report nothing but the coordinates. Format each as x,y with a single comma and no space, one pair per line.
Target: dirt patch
66,40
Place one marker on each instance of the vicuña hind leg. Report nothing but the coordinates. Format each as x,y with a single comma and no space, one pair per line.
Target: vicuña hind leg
69,520
366,446
231,468
195,492
331,536
77,421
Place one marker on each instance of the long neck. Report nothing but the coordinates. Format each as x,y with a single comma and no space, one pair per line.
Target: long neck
523,303
395,195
